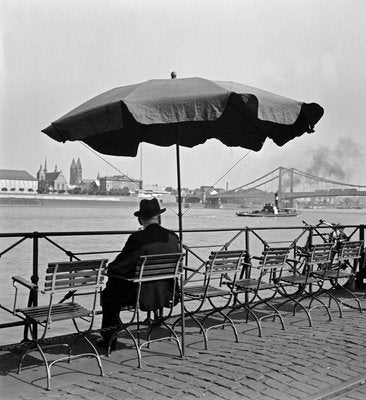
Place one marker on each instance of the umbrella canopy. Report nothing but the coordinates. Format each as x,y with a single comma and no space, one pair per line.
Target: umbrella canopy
187,111
184,112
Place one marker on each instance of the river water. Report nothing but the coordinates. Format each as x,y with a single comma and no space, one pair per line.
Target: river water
18,261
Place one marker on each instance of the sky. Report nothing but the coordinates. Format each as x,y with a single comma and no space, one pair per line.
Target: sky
54,55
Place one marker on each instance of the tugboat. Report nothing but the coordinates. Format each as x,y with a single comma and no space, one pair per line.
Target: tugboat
270,210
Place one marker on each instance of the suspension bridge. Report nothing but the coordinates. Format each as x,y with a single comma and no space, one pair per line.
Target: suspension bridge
290,184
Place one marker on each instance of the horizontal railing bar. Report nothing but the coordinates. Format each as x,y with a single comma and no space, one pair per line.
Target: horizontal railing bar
207,246
11,324
96,252
80,233
95,233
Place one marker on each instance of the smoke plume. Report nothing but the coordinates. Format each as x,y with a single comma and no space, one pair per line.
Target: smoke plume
336,163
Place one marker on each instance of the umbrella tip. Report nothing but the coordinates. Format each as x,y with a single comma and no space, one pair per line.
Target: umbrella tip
173,74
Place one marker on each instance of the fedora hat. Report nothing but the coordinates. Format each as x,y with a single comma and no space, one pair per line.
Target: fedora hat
149,208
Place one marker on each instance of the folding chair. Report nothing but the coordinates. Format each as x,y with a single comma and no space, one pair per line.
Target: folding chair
152,268
221,267
300,276
263,288
75,277
342,273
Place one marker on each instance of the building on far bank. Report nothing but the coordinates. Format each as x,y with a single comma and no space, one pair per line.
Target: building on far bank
119,184
51,181
17,181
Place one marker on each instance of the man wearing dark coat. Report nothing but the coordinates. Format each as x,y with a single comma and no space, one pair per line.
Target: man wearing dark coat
153,239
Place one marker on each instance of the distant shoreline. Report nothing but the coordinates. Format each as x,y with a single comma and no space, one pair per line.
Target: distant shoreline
40,200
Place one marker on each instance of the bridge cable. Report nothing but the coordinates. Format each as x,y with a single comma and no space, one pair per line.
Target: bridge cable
325,180
258,179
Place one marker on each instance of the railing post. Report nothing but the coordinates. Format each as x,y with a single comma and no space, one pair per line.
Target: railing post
246,257
246,260
33,295
361,273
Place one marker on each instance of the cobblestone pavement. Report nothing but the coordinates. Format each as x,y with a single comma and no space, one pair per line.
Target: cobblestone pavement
326,361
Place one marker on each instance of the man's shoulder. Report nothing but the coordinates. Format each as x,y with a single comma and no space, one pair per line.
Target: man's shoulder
157,227
168,230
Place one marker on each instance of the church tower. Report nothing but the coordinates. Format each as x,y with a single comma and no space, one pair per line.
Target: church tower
73,173
79,171
40,174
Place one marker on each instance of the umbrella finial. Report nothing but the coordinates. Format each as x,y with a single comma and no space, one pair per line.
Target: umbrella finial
173,74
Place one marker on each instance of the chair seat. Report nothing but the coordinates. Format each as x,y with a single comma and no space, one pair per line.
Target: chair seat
199,291
299,279
252,284
59,312
333,274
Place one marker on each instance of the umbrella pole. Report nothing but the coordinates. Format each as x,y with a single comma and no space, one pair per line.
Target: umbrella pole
180,216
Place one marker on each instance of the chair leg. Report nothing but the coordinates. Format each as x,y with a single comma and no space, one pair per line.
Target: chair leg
30,348
172,336
97,356
322,304
244,306
297,303
331,297
115,335
229,323
199,324
257,320
47,366
354,297
275,314
175,337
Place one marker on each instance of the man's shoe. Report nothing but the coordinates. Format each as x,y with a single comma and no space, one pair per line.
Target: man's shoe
104,344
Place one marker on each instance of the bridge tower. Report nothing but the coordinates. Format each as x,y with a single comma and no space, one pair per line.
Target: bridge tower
282,184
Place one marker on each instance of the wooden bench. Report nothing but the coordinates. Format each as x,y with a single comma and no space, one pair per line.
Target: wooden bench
221,267
341,273
261,289
62,280
150,269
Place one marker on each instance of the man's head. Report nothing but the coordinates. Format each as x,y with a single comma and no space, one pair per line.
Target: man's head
149,212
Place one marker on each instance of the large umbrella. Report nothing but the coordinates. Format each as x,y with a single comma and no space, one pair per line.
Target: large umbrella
184,112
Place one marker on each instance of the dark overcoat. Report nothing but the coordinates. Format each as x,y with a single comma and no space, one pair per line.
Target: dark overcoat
154,239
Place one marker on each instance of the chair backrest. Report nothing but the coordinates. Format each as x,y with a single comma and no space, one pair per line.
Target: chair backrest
274,258
320,254
74,275
351,250
158,267
224,262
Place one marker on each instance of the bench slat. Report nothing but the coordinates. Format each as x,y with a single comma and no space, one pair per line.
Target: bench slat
75,265
74,283
59,312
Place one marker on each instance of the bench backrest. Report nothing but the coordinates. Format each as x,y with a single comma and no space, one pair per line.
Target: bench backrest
274,258
72,275
351,250
224,262
321,253
158,267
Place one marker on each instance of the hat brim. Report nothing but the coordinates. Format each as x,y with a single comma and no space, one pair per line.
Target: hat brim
149,214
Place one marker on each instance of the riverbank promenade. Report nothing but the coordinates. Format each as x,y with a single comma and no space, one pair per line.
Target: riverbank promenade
326,361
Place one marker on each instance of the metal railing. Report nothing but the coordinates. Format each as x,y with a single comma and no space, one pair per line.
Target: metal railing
251,239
